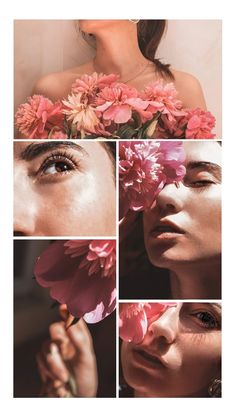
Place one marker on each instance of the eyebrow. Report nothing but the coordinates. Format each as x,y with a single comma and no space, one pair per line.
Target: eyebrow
34,150
210,167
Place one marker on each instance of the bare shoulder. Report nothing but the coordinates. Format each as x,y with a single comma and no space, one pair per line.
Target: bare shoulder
189,89
53,85
58,85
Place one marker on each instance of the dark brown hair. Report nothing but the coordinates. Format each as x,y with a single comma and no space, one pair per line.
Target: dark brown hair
150,33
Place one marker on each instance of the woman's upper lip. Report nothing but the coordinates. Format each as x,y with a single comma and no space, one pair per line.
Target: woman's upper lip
167,225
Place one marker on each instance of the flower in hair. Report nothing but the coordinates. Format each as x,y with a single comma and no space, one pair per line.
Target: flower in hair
80,274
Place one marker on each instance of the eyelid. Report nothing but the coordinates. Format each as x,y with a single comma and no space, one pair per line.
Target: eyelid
207,310
53,157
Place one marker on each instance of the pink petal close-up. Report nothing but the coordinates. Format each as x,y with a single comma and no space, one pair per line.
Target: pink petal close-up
134,319
144,168
87,292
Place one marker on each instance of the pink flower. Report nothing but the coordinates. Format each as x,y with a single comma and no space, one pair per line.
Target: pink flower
162,98
117,102
36,118
100,255
199,124
58,135
144,168
90,85
81,114
134,319
81,274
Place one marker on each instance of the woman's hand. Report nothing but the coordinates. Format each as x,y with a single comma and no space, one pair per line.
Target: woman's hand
67,363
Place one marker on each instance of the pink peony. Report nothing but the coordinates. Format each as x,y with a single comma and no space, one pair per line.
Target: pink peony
58,135
162,97
144,168
134,319
199,124
36,118
117,102
81,114
100,255
90,85
80,274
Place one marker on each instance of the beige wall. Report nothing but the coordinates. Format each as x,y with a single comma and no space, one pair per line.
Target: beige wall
44,46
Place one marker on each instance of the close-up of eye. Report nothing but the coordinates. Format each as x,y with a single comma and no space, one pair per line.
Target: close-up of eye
57,164
201,183
206,320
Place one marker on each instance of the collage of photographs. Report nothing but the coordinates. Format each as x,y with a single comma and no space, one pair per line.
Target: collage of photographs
117,208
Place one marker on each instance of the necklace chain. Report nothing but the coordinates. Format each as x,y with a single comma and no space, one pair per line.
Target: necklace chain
144,67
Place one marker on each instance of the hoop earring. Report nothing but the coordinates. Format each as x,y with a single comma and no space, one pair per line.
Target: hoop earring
214,389
135,21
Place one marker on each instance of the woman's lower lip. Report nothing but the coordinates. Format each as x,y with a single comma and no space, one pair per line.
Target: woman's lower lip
165,235
148,363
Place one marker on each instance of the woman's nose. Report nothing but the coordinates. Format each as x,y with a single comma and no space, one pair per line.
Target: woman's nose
24,206
171,198
166,326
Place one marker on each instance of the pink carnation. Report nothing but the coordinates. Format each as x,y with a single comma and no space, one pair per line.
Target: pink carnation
144,168
36,118
117,102
80,274
134,319
199,124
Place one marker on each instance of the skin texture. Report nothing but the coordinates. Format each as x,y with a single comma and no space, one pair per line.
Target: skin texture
113,36
187,341
194,205
68,353
63,190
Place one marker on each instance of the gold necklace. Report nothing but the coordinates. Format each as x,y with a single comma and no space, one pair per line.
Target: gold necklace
138,73
144,67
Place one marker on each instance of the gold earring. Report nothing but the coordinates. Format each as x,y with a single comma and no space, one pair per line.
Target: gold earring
214,389
134,20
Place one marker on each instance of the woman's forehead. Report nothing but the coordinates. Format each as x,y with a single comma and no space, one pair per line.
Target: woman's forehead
207,151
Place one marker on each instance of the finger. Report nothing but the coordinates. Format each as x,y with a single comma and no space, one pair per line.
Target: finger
59,335
80,337
56,364
44,372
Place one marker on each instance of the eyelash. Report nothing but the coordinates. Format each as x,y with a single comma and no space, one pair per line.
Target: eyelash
200,184
211,323
52,159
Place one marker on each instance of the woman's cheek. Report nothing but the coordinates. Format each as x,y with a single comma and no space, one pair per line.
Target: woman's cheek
202,348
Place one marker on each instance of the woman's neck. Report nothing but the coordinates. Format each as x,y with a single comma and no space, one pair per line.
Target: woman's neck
196,282
118,52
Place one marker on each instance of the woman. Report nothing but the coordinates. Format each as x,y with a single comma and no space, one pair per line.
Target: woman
179,355
64,188
138,41
182,235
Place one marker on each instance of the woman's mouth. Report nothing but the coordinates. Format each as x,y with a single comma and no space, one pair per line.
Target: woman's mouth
146,359
166,230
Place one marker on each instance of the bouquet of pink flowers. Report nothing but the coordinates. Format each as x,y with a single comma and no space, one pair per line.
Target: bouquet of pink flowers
100,106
